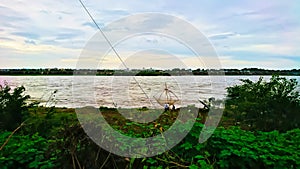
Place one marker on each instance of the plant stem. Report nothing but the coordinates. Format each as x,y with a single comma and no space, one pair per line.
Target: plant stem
9,137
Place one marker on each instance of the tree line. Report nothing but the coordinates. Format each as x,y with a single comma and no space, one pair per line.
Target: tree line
149,72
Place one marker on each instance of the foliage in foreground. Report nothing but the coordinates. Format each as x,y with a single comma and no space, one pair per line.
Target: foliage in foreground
26,151
234,148
267,106
67,146
13,107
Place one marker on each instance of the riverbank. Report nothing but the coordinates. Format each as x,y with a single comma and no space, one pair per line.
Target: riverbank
259,129
121,117
53,138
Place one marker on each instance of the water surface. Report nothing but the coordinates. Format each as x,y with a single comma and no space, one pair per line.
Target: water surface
123,91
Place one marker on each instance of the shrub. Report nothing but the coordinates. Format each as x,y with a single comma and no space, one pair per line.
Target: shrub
236,148
25,151
267,106
13,108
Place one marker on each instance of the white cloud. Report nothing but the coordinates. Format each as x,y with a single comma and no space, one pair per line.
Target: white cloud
62,28
224,35
269,49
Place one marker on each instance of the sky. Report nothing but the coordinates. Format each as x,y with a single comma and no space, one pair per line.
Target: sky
52,33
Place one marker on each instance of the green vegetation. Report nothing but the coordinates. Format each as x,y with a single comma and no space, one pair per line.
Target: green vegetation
49,137
265,105
26,151
13,109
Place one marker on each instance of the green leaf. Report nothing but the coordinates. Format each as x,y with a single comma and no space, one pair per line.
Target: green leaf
193,166
199,157
187,145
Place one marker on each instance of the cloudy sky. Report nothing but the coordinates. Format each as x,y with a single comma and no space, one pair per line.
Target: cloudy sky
44,33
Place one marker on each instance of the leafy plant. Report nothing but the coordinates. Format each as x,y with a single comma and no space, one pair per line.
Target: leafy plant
266,106
25,151
13,107
236,148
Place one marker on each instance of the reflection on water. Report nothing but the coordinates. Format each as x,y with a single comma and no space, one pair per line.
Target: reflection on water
123,91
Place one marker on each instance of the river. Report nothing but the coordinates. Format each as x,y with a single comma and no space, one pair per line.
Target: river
123,91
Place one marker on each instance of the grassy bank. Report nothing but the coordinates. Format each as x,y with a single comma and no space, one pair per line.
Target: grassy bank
53,138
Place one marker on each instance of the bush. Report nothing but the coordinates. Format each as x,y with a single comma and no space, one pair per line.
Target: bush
25,151
236,148
13,108
267,106
232,148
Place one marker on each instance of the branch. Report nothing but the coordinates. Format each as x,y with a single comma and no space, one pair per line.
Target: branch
172,162
105,161
9,137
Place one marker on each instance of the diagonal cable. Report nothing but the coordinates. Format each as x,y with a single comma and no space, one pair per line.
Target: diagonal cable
114,50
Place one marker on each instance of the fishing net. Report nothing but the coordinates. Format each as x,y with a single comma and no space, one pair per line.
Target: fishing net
166,97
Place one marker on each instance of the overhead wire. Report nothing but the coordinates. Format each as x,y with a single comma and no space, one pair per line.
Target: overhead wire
114,50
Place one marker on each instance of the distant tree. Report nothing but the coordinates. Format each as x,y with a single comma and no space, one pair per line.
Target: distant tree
13,108
273,105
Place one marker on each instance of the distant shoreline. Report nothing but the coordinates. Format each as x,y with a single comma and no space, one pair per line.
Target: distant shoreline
153,76
147,72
